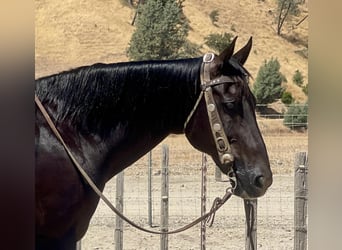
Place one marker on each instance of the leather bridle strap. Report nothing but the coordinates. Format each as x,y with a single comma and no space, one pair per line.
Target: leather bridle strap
222,145
211,214
221,141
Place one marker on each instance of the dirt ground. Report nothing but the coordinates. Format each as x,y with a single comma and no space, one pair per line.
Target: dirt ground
275,215
275,209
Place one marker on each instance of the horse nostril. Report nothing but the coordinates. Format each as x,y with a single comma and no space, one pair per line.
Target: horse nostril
260,181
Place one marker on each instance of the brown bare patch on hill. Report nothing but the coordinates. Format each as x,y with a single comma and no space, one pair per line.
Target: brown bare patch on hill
73,33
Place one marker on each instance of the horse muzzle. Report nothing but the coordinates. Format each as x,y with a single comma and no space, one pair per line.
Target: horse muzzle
251,184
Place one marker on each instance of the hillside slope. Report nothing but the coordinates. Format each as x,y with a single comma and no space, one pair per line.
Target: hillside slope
78,32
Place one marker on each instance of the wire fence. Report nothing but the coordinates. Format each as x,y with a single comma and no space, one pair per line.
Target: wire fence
275,208
292,116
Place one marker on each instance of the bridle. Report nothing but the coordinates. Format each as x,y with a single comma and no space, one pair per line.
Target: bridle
221,141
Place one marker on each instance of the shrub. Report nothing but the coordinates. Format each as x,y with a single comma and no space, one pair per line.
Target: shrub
214,16
287,98
218,42
298,78
296,116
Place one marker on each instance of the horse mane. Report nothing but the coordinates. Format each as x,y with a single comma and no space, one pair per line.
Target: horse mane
94,98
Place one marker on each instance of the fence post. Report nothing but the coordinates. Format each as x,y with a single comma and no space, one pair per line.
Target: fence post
300,202
164,210
79,245
203,199
149,188
251,223
118,234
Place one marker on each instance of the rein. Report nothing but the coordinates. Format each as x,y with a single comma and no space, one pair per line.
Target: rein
219,135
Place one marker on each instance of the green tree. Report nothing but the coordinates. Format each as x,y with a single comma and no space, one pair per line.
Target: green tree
218,42
296,116
161,31
267,87
298,78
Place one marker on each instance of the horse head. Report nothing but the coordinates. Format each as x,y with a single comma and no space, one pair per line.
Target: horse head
233,140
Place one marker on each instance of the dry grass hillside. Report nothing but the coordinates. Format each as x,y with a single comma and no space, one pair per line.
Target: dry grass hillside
71,33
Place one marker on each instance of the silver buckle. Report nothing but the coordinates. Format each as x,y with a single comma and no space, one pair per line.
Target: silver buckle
208,57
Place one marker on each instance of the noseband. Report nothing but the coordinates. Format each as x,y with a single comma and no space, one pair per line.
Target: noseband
221,141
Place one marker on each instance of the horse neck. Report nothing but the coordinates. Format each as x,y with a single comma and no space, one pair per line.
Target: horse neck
158,97
160,93
95,98
128,107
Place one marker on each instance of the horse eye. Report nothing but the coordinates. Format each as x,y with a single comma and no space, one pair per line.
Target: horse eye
230,104
233,140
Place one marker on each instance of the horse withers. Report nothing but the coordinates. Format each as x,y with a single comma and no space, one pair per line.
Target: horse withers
110,115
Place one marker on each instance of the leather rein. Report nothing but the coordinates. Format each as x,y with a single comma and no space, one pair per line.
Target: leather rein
221,141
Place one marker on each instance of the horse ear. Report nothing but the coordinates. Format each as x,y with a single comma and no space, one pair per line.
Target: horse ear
228,52
242,55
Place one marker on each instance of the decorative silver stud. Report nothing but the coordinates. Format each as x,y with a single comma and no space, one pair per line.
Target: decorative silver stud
211,107
217,127
226,158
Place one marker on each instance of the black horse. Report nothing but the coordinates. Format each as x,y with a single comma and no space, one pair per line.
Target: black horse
110,115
